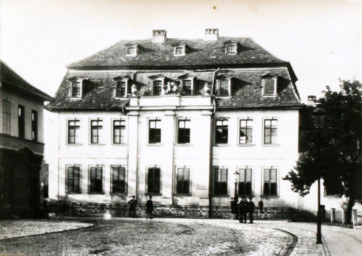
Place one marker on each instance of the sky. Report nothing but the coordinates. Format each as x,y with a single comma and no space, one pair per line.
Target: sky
322,39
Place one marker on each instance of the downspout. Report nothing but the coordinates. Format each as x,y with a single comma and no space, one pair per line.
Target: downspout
213,102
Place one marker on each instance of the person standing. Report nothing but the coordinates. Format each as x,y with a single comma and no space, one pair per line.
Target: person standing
261,205
149,208
132,207
251,208
243,210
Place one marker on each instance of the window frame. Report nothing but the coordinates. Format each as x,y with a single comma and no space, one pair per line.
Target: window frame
77,127
125,180
264,84
67,191
154,141
118,91
21,121
228,46
98,128
90,192
6,116
218,86
222,119
34,125
244,169
188,182
160,85
183,50
123,139
132,50
147,192
271,129
277,183
214,183
179,132
249,128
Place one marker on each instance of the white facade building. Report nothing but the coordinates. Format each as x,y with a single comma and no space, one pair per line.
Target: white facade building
176,119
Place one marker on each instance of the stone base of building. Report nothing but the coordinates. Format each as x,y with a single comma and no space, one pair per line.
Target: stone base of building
60,208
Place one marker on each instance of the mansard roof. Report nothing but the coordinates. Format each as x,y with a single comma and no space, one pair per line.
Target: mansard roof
201,53
12,81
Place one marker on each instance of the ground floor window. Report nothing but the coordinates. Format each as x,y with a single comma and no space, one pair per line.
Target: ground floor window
73,179
220,181
183,180
96,180
244,186
154,180
270,182
118,179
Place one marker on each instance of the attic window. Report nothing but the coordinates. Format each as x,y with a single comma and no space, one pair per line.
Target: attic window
223,86
187,81
132,50
179,50
270,86
231,48
76,89
122,87
157,87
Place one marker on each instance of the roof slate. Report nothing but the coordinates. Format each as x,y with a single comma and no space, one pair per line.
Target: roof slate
11,79
199,53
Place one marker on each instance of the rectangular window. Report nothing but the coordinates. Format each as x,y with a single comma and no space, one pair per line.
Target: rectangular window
118,179
21,121
157,87
119,131
231,48
246,131
269,86
183,181
183,131
220,181
222,87
245,181
96,127
154,134
73,179
131,50
96,180
34,125
270,182
154,180
179,50
73,131
187,87
76,89
270,131
221,131
6,116
121,89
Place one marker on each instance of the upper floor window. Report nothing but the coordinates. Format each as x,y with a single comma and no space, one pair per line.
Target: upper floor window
231,48
132,51
34,125
270,131
187,87
76,89
154,180
180,50
21,121
269,84
96,128
157,87
96,180
223,87
6,116
121,89
154,133
119,128
73,131
118,180
183,180
183,131
220,181
221,131
270,182
73,176
246,131
245,181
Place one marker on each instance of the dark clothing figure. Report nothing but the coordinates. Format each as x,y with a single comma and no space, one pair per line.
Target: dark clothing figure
261,206
132,207
243,210
149,208
251,208
233,206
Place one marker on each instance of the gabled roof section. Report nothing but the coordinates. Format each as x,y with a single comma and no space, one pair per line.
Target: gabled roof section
13,80
201,53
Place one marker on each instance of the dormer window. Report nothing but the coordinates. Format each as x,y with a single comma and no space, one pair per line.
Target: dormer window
187,83
132,50
158,83
223,86
122,86
231,48
179,50
76,88
269,84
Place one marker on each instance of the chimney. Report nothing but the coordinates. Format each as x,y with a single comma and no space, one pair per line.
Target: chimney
159,36
211,34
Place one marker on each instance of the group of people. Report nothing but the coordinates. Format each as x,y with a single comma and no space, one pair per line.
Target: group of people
242,209
133,205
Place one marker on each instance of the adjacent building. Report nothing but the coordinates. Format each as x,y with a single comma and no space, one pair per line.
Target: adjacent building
21,144
190,122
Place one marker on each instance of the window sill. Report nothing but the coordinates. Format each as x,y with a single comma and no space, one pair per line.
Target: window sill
183,145
270,196
97,144
154,144
246,145
183,195
222,145
75,98
153,194
97,193
118,194
74,144
223,97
